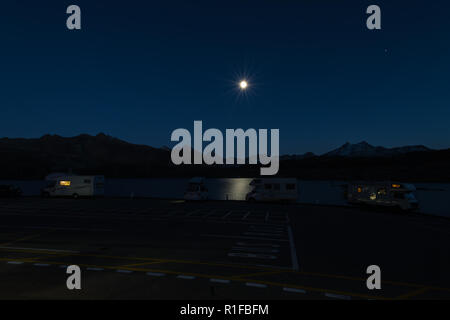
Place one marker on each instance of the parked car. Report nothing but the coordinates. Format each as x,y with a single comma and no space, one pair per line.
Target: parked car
10,191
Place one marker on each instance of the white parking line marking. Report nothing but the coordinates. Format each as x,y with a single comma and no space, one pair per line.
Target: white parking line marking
219,280
170,214
156,274
249,249
41,264
60,228
266,227
15,262
218,220
294,290
243,244
191,213
252,255
294,258
257,285
181,276
337,296
272,266
124,271
242,237
226,215
141,218
246,215
262,234
209,213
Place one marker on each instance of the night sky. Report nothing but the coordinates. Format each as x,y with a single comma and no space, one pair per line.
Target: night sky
140,69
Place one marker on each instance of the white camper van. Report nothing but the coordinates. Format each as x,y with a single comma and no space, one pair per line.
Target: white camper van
196,190
272,189
388,194
74,186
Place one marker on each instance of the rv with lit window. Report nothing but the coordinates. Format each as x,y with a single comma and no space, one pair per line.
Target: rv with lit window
273,189
387,194
73,186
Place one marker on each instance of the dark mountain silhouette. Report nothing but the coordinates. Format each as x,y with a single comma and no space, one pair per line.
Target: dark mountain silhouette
298,156
112,157
82,154
363,149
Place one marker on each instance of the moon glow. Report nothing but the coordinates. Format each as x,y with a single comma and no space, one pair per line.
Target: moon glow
243,85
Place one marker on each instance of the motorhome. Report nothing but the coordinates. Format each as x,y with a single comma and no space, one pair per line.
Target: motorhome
272,189
196,190
388,194
73,186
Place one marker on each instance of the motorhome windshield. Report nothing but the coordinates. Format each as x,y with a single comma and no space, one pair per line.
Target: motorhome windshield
50,184
258,187
410,196
404,195
193,187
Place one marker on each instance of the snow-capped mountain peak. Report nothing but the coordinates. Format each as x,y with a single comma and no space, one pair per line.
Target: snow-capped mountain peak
364,149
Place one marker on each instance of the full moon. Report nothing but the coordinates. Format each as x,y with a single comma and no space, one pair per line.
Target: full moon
243,84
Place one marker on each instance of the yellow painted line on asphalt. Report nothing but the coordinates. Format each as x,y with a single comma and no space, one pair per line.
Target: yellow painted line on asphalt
258,274
236,266
60,255
115,268
35,259
148,259
18,259
413,293
22,239
140,264
208,276
10,234
35,250
394,283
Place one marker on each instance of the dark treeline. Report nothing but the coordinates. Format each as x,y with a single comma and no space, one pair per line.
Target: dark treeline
114,158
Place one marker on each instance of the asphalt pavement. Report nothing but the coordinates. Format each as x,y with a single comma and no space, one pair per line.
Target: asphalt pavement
171,249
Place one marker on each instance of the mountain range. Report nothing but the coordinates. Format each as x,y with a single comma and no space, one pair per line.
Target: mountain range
102,154
363,149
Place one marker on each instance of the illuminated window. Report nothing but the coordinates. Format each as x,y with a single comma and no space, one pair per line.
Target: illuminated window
64,183
359,190
395,186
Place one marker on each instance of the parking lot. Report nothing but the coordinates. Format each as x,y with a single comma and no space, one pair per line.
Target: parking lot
154,249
